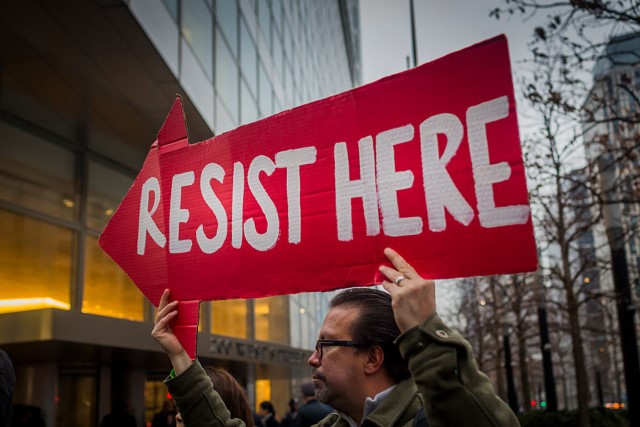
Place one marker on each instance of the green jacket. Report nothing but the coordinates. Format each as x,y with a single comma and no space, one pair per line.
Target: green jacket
444,378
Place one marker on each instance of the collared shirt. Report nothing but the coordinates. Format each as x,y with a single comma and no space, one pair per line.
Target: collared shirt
371,404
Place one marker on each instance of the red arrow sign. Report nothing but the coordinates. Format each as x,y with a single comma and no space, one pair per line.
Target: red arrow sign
427,161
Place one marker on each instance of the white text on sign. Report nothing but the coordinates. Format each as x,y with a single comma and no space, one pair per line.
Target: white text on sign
378,186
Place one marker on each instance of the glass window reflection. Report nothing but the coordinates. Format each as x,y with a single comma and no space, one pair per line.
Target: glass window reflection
227,16
197,29
229,318
227,78
36,174
172,7
277,57
35,264
108,291
276,6
264,20
266,93
107,187
271,317
248,58
248,105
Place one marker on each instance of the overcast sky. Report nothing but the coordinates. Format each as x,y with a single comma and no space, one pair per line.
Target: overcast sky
442,27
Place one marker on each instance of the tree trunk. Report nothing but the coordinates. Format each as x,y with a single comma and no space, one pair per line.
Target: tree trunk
496,333
522,344
582,380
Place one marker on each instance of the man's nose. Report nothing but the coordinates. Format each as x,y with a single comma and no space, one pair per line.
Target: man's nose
314,359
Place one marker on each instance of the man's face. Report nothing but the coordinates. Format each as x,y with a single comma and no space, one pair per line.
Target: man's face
337,376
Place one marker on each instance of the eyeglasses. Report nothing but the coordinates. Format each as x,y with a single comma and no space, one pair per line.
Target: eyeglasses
320,344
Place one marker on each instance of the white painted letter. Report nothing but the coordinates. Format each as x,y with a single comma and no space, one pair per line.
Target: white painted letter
266,241
178,215
237,205
292,160
210,245
364,187
439,190
486,174
391,181
145,221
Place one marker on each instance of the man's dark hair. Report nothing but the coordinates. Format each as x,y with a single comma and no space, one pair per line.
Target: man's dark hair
375,325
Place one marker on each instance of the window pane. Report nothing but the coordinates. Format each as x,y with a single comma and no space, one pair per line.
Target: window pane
35,264
271,319
197,30
276,6
172,7
277,57
248,105
248,58
36,173
227,14
264,20
266,94
227,78
224,122
229,318
108,291
107,187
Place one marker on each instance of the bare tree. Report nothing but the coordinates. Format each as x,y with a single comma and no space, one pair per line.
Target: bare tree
563,209
574,104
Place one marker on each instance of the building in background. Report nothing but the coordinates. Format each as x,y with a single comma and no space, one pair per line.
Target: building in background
612,135
84,88
613,124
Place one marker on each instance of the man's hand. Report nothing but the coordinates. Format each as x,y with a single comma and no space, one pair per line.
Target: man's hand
162,333
412,297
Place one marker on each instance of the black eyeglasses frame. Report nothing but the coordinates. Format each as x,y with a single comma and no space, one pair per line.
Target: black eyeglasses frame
320,344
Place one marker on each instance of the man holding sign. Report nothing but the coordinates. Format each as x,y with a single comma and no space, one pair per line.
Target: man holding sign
381,358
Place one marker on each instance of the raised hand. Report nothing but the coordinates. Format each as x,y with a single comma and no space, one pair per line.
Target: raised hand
413,298
162,333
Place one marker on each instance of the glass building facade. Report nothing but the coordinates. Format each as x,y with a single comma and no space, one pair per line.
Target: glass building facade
84,88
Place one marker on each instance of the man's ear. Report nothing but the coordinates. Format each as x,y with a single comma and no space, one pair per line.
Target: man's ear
374,361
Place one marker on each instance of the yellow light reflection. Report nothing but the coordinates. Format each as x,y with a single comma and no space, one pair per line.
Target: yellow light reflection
26,304
272,319
108,291
263,392
229,318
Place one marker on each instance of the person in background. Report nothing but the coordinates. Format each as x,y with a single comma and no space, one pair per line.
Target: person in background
7,385
268,414
166,417
312,411
382,358
231,393
119,416
289,418
27,416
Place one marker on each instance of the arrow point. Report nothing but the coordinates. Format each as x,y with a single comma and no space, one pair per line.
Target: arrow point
174,129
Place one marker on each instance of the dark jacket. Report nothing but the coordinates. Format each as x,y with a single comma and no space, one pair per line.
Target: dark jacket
444,379
311,413
7,385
